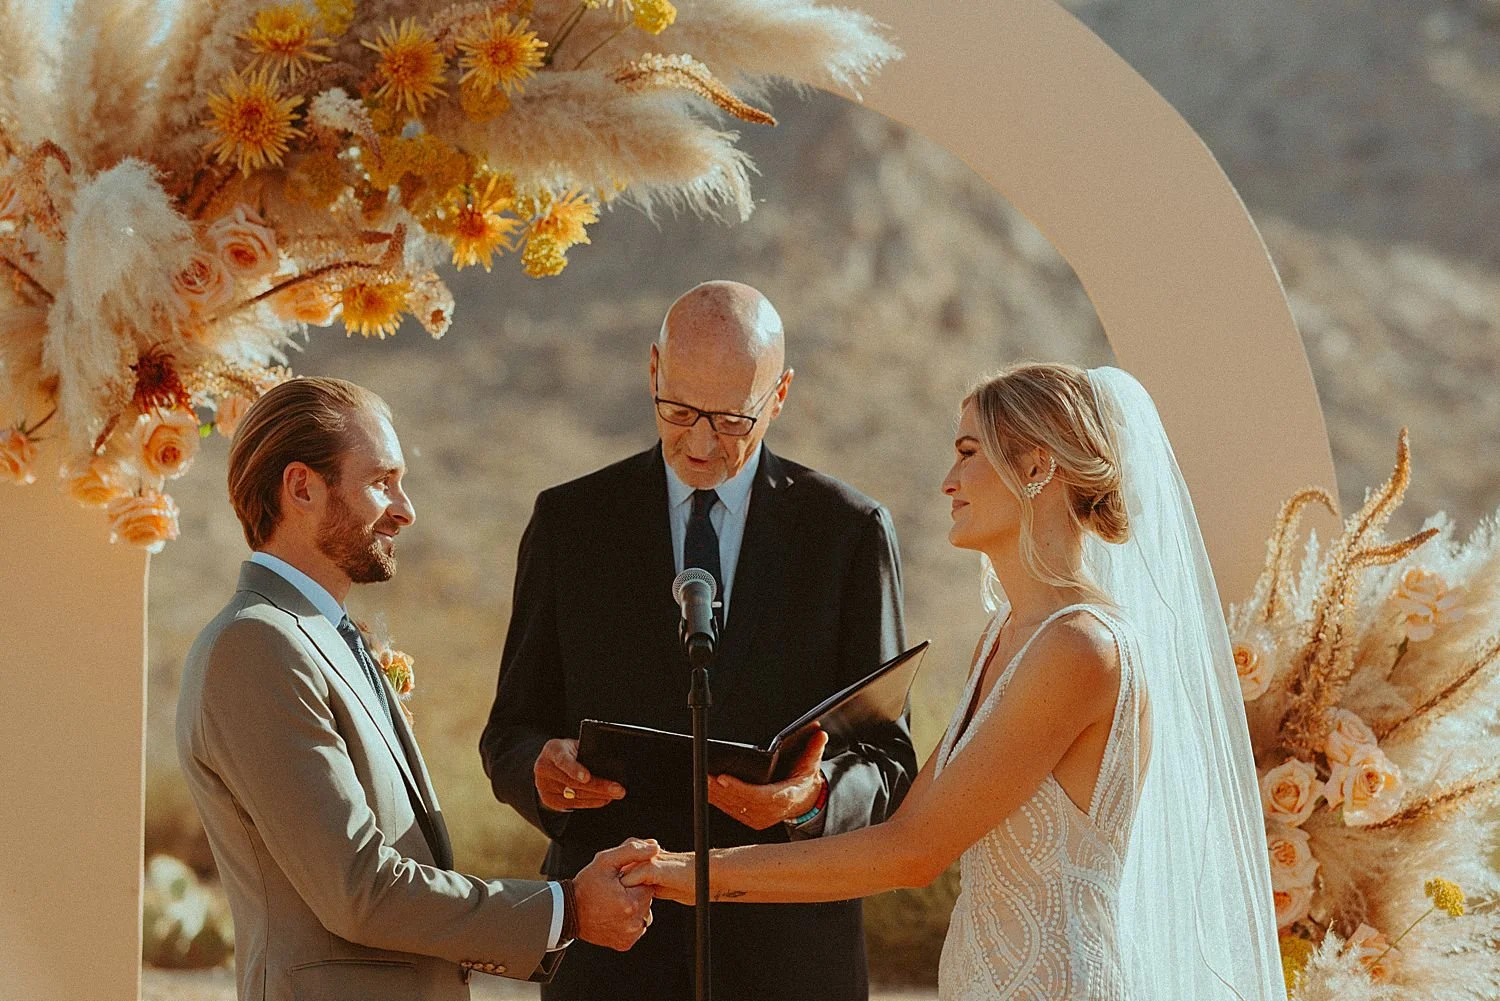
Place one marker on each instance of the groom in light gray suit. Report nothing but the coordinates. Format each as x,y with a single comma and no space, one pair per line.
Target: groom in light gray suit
321,815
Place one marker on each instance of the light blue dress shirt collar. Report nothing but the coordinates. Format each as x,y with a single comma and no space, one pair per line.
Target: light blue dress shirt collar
310,589
734,493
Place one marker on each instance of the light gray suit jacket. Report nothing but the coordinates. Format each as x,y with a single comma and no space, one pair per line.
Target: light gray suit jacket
324,824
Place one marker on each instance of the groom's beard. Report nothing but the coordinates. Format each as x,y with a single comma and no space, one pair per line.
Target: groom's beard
353,547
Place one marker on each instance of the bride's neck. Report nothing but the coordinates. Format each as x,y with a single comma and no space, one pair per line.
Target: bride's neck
1031,599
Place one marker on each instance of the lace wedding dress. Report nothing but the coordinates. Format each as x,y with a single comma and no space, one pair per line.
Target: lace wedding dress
1036,917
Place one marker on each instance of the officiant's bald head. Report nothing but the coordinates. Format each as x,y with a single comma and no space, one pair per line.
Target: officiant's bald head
721,351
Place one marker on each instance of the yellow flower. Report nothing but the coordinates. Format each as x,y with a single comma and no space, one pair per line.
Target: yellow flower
476,228
654,16
253,121
284,37
398,667
1446,896
335,15
498,55
1296,952
480,104
544,257
374,308
1424,601
410,67
317,180
564,219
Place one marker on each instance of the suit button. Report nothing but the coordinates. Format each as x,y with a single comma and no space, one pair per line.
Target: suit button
465,974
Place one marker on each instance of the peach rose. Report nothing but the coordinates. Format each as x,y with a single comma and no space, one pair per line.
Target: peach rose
1292,862
17,454
97,483
1348,736
204,284
1369,947
398,668
148,520
246,245
1424,601
305,302
1292,905
169,441
1289,792
1254,671
232,410
1369,787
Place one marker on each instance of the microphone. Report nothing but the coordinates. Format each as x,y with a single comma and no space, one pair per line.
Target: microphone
694,591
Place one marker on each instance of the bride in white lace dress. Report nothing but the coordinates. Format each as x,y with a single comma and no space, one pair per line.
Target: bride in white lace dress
1096,779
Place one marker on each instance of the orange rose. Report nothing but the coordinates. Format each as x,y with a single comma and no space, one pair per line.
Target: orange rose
1254,673
305,302
17,453
1292,905
1289,792
169,442
232,410
98,483
1369,787
246,246
1292,862
204,284
1369,947
148,520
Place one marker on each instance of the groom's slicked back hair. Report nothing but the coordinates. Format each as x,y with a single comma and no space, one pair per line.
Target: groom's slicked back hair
304,420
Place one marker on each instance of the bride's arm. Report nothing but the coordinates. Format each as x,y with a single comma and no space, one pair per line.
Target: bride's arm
1068,681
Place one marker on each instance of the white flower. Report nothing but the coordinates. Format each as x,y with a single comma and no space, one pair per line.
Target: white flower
1292,861
1424,601
1369,787
1348,736
1254,671
1292,905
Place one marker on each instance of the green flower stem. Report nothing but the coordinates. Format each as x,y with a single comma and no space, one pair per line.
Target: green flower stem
1404,934
617,33
562,35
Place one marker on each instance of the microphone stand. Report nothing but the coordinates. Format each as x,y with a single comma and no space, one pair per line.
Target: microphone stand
701,655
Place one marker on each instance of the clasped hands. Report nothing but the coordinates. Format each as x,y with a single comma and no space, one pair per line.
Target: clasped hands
623,880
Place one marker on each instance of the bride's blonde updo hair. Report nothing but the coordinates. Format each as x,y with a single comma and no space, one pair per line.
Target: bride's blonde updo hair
1051,406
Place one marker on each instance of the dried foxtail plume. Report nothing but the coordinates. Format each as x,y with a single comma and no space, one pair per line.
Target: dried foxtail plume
1414,721
1320,670
30,179
1466,795
102,96
1274,579
683,72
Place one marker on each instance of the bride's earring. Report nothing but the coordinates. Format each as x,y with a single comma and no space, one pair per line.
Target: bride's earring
1034,490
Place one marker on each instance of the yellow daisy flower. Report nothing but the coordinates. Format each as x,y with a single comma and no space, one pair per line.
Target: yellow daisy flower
252,120
1296,952
410,67
1446,896
477,229
482,104
335,15
318,180
373,309
543,257
563,221
284,37
654,16
499,55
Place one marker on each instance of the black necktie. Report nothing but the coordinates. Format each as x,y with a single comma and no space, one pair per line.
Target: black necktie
367,664
701,548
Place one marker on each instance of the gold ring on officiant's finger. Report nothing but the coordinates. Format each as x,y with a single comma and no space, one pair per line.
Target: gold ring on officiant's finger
569,793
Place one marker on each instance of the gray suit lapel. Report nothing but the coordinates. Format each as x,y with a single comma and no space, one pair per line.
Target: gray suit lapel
326,639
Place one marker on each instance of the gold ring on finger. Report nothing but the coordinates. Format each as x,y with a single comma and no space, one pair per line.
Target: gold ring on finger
569,792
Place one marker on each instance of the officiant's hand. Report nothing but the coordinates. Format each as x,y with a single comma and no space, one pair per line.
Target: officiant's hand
760,807
563,784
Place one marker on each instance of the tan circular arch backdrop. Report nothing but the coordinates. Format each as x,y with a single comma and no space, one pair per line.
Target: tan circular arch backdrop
1023,93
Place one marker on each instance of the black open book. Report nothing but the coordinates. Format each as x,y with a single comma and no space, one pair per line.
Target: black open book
618,751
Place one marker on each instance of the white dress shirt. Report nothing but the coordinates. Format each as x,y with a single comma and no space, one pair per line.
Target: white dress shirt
728,518
331,610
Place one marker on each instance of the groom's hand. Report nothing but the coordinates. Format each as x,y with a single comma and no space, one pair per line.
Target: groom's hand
609,913
564,784
759,807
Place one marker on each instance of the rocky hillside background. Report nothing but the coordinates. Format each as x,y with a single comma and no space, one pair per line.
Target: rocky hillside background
1362,136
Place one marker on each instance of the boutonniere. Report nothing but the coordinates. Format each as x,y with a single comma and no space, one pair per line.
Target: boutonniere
396,664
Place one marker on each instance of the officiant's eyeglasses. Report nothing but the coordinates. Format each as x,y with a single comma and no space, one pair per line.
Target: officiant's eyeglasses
723,422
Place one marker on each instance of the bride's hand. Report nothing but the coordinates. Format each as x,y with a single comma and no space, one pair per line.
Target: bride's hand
670,876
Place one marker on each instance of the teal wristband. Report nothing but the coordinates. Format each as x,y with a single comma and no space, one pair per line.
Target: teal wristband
812,814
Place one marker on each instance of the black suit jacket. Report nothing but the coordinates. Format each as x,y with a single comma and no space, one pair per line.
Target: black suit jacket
816,605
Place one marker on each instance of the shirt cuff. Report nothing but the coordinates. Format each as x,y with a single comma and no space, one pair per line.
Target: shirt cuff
555,932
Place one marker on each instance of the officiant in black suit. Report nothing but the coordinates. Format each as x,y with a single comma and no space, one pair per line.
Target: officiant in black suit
810,581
